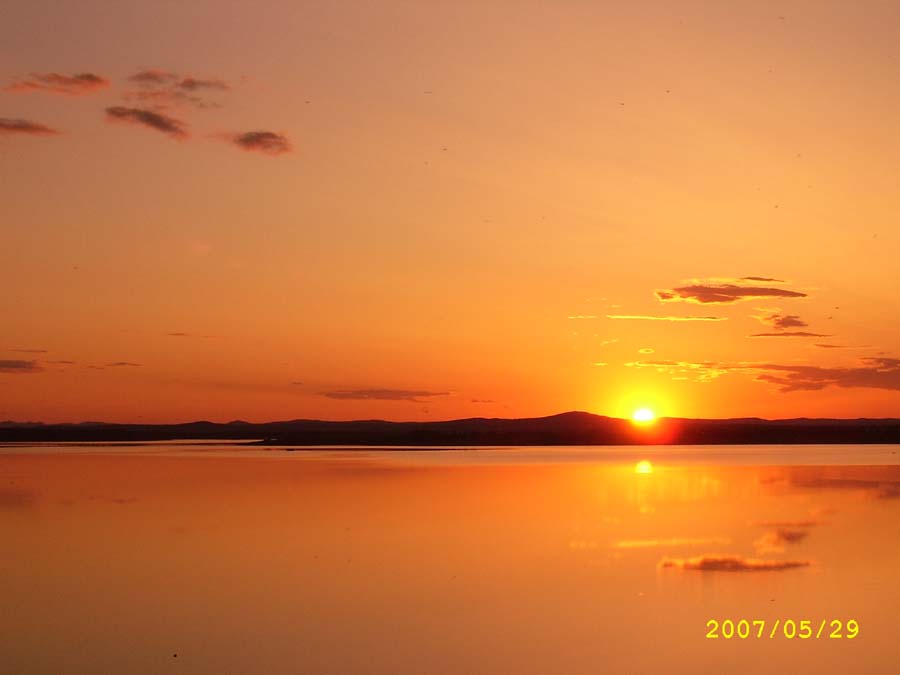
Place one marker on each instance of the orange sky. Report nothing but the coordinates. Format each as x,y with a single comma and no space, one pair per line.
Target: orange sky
431,210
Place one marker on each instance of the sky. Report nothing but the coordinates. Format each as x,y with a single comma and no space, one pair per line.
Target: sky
403,210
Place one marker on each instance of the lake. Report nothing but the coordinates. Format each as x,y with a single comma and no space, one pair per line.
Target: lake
212,558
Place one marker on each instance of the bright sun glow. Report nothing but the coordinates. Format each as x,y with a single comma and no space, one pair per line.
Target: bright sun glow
643,415
644,466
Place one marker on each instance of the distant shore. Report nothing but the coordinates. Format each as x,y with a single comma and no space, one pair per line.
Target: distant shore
571,428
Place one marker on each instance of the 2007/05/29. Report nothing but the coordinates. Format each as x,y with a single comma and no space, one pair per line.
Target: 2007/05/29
790,629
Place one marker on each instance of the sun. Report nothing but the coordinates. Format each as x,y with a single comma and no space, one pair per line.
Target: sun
643,416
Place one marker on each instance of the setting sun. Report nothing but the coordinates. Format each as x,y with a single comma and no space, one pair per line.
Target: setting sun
643,416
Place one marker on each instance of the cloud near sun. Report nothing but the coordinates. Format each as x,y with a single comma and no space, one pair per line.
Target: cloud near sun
872,373
725,291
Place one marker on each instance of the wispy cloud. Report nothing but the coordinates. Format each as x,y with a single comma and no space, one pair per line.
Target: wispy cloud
796,333
672,542
718,291
731,563
382,394
162,89
55,83
265,142
779,321
776,540
646,317
29,351
194,84
828,346
16,366
153,77
788,524
697,371
9,127
188,335
123,364
148,118
871,373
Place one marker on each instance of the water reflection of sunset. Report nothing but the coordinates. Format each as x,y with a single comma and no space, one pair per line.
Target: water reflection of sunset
346,552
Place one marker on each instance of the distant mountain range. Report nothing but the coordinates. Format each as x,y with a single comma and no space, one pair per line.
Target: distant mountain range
571,428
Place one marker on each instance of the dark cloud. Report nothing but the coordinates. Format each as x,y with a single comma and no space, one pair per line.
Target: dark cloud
796,333
161,89
18,126
16,366
781,321
168,125
646,317
382,394
731,563
120,364
54,83
872,373
61,363
29,351
162,99
767,280
722,291
192,84
267,142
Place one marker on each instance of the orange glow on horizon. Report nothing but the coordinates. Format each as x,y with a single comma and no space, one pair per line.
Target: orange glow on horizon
471,250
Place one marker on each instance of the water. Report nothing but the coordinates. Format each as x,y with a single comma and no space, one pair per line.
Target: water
222,559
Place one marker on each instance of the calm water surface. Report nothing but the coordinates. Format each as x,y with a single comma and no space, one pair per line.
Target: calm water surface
221,559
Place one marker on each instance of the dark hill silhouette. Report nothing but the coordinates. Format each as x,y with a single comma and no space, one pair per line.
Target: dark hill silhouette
571,428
